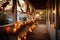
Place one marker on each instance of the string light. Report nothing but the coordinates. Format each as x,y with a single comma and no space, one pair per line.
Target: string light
54,11
1,7
14,30
19,38
8,29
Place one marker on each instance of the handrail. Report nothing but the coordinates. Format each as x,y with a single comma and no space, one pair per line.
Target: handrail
6,25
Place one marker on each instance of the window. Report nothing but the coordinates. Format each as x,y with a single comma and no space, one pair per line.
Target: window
6,13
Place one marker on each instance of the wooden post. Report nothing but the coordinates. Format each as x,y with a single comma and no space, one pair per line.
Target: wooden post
57,18
14,11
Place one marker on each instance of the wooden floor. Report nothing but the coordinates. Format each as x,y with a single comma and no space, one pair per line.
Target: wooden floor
39,33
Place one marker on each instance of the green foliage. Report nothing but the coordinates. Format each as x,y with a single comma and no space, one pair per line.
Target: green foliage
3,19
24,18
